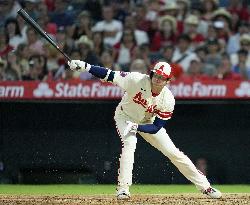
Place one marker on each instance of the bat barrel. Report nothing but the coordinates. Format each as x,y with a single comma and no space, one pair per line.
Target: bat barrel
32,23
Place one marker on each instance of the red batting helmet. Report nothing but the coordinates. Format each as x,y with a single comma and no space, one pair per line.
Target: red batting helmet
163,69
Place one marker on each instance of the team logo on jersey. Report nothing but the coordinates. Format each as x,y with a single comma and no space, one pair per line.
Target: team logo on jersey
139,100
150,108
123,74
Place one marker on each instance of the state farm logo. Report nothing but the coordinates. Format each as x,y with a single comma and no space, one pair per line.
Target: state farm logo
243,90
198,89
43,90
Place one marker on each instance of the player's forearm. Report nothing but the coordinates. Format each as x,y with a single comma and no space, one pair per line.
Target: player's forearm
102,73
148,128
152,128
97,71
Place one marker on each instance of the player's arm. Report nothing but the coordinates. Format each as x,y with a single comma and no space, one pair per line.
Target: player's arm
97,71
120,78
152,128
147,128
159,122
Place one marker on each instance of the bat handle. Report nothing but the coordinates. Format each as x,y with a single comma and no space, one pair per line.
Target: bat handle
64,54
69,59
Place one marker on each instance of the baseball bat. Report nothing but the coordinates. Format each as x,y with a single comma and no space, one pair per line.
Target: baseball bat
33,24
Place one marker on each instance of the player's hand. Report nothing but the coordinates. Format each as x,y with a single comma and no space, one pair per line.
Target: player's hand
131,128
77,65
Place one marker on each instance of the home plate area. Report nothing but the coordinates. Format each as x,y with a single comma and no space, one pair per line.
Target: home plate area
169,199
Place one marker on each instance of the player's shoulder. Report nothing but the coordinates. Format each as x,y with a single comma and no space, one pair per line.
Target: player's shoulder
139,77
168,100
168,94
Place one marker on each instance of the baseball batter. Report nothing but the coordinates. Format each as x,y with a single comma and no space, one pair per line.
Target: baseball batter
145,108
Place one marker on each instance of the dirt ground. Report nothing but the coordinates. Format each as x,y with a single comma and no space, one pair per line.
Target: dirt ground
173,199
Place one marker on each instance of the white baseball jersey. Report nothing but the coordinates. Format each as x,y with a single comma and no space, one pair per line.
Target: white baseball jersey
138,102
138,105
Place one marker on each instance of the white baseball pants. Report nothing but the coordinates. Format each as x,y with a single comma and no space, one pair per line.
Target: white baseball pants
163,143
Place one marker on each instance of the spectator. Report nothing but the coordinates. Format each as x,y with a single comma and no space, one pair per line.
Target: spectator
13,70
23,55
42,8
98,44
65,42
166,35
224,71
142,23
53,57
213,57
50,4
208,7
245,45
191,28
44,21
38,68
85,46
35,44
195,71
225,29
109,26
13,32
235,21
49,28
2,69
68,74
86,50
234,41
141,37
241,67
31,7
122,9
61,16
171,8
143,52
222,21
153,9
95,9
22,26
5,47
201,52
125,50
8,9
108,62
239,8
83,25
211,32
202,26
183,54
138,65
183,9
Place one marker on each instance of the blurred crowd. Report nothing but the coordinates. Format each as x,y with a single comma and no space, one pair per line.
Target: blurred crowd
201,39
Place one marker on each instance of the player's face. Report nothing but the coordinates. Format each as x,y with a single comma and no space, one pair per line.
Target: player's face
159,81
